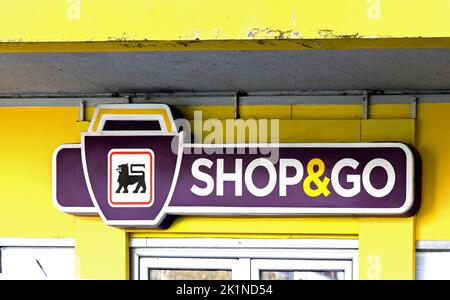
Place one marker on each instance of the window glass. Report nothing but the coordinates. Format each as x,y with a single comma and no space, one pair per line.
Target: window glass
301,275
164,274
432,265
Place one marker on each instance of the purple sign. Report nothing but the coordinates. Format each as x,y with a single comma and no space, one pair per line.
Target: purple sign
137,179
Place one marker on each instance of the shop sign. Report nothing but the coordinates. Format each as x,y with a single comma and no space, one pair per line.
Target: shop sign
139,179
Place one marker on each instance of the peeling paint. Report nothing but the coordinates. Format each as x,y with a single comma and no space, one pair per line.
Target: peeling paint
217,33
329,33
19,40
196,35
349,36
377,37
122,38
268,33
326,33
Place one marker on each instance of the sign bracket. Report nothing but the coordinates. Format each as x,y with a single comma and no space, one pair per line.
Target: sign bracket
365,104
82,107
236,106
414,108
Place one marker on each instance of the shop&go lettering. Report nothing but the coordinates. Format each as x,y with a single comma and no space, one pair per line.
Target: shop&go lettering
314,182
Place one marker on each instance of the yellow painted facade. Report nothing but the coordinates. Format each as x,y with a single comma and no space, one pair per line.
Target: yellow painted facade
55,25
34,132
29,135
227,20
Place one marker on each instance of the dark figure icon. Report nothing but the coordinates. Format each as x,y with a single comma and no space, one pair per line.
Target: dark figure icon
125,179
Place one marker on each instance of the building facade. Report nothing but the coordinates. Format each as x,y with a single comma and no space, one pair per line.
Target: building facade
348,72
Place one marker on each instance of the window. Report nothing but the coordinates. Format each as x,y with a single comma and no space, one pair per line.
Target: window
223,259
433,260
192,269
37,259
277,269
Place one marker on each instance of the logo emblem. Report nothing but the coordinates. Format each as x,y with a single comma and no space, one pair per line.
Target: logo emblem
131,177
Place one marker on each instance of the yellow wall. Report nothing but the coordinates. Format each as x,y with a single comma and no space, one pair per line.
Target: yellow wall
387,245
433,221
101,251
30,134
27,139
106,20
156,24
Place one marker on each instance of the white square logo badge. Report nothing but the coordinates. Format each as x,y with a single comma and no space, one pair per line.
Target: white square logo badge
131,180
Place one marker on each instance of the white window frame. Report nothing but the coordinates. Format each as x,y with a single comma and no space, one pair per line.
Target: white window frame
247,250
430,245
36,242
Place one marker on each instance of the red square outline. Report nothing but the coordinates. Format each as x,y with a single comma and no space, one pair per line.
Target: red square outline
150,154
